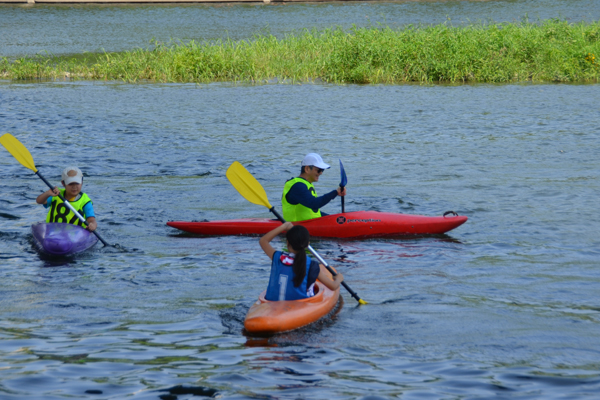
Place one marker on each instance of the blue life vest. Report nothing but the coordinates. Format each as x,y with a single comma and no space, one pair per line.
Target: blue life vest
281,282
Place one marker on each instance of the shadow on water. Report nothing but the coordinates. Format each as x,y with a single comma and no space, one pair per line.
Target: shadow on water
443,237
183,390
9,216
54,260
233,319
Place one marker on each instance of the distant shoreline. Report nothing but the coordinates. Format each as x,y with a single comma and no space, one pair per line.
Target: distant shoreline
204,1
553,51
170,1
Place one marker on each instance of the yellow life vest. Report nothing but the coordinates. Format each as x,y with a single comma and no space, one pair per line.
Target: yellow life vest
59,212
298,212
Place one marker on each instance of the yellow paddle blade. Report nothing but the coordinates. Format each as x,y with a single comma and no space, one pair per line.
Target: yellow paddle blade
247,185
18,151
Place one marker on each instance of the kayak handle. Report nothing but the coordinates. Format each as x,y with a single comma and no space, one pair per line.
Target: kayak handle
450,212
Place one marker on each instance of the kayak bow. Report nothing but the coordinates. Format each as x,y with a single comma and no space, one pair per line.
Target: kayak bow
62,239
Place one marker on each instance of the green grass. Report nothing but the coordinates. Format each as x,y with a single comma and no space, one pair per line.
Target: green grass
549,51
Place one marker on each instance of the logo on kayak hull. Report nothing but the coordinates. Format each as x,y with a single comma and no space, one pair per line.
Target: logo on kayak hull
342,220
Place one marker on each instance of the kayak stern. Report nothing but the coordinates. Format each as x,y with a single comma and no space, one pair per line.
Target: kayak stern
270,317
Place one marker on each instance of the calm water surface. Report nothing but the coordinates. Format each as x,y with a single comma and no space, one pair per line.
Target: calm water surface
505,306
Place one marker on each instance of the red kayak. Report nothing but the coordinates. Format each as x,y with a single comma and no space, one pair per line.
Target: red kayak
357,224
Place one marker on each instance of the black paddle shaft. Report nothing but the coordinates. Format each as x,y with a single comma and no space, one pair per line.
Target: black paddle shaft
64,200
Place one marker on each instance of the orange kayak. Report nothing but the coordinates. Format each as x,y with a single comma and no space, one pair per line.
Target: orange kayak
270,317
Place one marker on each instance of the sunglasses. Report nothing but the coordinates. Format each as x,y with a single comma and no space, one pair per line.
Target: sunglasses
319,170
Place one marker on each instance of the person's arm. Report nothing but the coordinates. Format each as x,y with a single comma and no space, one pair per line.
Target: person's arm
265,241
90,217
91,224
42,198
299,194
341,191
88,210
332,282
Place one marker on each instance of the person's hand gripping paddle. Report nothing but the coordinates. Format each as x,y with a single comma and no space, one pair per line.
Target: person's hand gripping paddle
343,183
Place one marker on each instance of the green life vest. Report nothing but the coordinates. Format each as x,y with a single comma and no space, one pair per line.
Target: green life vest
298,212
59,212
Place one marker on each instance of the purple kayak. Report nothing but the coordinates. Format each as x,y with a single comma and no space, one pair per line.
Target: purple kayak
62,239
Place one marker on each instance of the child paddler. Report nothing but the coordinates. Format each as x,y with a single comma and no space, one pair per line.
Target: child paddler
293,273
72,180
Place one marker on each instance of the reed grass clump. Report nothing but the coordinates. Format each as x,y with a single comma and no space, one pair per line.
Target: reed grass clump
552,50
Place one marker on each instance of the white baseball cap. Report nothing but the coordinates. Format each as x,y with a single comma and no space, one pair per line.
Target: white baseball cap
315,160
68,177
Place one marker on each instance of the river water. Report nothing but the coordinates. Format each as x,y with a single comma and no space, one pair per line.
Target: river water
65,29
505,306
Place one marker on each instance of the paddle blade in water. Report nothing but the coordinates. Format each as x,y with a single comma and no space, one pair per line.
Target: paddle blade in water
247,185
343,175
18,151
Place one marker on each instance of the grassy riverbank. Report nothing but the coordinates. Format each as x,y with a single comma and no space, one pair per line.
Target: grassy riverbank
549,51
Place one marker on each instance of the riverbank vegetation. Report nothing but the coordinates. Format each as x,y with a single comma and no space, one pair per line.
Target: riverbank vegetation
552,50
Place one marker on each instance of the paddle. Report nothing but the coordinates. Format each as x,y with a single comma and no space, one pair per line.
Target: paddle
23,156
343,183
251,190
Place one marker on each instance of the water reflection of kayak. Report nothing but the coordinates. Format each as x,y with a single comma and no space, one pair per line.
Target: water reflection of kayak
62,239
270,317
357,224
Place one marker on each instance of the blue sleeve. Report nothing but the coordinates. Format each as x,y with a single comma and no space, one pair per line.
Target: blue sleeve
48,202
313,272
299,194
88,210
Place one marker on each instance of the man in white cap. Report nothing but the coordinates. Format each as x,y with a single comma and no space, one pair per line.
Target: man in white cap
299,200
72,180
